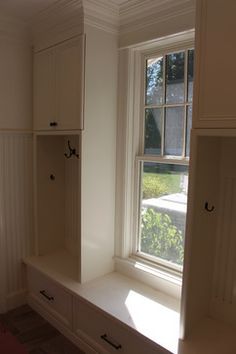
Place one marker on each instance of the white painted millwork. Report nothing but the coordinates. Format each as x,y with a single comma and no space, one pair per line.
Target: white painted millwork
215,70
108,334
55,299
209,267
208,312
142,21
59,86
75,212
127,312
98,155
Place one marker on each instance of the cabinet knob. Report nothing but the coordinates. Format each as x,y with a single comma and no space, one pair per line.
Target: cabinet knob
53,124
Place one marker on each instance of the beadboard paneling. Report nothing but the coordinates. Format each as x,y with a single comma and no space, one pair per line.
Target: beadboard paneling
223,291
16,203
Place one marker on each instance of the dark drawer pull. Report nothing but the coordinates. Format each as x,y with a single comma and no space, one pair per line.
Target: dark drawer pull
48,297
53,124
109,341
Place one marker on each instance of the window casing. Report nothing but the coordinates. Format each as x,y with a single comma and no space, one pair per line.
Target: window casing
162,153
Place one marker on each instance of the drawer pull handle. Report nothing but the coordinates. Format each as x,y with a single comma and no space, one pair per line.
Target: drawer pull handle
48,297
110,341
53,124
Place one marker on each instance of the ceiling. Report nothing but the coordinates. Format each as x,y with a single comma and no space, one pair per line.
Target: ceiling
26,9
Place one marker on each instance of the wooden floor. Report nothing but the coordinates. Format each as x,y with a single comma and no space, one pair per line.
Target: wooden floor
35,333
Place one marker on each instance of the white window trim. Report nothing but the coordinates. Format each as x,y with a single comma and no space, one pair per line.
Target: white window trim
129,133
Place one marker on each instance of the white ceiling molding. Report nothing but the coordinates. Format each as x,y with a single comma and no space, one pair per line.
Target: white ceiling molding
103,14
138,14
67,17
60,21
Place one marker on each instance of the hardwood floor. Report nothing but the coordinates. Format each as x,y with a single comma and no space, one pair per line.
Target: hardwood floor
35,333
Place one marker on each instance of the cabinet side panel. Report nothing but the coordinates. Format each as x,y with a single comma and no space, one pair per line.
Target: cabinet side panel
99,154
201,231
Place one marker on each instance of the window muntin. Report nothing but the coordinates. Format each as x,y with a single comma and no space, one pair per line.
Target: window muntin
167,112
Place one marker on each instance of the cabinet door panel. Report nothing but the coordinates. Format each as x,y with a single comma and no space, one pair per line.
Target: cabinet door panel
69,84
44,89
215,67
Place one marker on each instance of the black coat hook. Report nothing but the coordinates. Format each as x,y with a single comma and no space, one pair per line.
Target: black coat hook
71,151
209,209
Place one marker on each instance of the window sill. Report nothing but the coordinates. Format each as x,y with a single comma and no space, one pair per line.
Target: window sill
167,282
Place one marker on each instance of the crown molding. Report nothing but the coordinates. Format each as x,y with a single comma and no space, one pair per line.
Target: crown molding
138,14
102,14
66,18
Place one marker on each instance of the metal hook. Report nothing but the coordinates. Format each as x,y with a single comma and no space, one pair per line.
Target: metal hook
71,152
209,209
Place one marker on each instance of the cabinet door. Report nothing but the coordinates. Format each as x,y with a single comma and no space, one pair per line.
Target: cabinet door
58,86
215,103
69,84
44,89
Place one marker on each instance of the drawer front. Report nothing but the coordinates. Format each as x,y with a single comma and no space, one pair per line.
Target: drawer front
54,298
108,334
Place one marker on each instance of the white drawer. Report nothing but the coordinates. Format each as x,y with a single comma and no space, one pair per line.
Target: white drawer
108,334
50,295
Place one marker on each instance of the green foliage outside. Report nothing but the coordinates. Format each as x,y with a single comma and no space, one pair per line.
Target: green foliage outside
157,185
159,236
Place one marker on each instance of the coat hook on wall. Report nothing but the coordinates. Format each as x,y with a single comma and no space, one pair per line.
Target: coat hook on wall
209,209
71,151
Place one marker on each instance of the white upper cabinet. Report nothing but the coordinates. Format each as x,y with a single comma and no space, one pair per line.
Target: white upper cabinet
58,86
215,75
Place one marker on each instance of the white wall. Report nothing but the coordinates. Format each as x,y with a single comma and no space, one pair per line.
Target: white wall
15,84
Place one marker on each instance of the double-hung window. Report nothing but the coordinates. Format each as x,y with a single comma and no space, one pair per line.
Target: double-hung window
161,170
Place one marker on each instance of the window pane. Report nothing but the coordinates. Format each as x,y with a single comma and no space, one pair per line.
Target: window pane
153,127
163,210
175,78
189,126
154,81
174,125
190,74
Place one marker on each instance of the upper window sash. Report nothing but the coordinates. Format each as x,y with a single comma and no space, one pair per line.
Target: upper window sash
163,110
